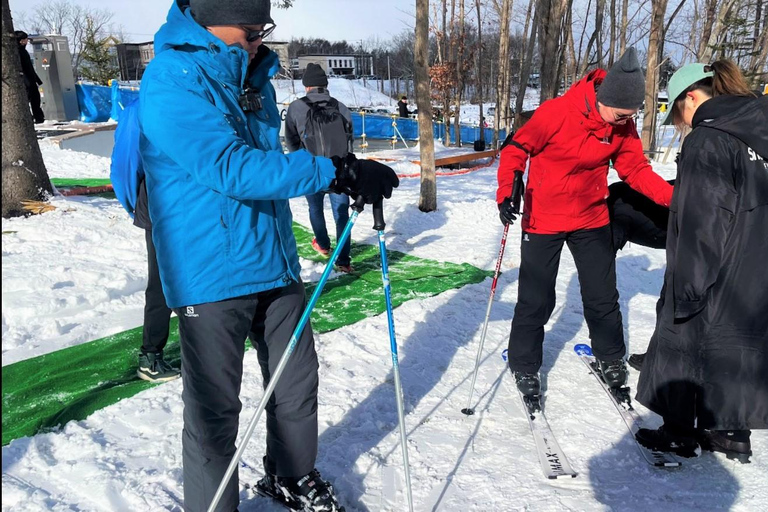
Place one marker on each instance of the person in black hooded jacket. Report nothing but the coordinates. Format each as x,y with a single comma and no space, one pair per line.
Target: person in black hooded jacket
706,366
29,76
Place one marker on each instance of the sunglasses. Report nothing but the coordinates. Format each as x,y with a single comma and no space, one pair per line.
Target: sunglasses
622,117
254,35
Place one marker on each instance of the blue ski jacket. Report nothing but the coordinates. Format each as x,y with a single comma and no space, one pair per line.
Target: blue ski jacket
218,182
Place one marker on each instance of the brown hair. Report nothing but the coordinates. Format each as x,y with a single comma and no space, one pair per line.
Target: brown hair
726,79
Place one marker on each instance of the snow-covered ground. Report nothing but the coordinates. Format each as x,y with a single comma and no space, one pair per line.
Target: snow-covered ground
78,273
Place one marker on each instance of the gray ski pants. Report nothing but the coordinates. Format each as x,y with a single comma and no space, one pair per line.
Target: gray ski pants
212,348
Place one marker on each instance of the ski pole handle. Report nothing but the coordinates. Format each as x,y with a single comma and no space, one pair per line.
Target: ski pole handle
359,204
517,191
378,215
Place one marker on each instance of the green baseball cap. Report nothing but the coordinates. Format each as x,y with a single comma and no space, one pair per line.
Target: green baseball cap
683,78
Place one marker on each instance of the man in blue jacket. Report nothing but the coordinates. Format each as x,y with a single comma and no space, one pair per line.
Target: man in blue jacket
218,186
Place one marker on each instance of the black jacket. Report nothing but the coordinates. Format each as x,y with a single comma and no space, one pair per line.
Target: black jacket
708,358
27,69
402,107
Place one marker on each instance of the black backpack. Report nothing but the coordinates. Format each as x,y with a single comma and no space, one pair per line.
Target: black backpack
326,132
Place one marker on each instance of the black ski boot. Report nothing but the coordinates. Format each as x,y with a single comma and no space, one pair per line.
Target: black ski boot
615,373
668,439
636,361
529,385
734,444
309,493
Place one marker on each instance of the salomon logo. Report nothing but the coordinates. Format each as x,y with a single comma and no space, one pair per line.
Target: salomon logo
191,312
525,238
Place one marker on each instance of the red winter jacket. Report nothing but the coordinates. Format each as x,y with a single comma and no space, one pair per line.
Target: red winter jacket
570,146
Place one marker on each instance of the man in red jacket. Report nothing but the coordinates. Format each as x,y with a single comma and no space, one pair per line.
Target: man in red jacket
569,143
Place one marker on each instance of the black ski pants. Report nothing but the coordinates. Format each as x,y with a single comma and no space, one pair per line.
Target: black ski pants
33,95
157,314
212,349
592,251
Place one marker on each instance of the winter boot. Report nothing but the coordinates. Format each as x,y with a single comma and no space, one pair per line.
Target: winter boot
153,368
734,444
615,373
309,493
636,361
669,439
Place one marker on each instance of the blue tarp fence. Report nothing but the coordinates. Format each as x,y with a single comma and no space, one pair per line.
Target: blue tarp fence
99,103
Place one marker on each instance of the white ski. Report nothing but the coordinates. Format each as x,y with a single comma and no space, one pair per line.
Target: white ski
623,404
552,458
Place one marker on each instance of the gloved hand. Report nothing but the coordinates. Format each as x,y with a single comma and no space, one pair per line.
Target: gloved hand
368,179
507,212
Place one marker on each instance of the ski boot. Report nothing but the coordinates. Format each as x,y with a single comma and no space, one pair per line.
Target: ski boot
529,385
615,374
309,493
668,439
734,444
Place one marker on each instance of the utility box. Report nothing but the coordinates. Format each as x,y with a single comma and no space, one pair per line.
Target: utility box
53,64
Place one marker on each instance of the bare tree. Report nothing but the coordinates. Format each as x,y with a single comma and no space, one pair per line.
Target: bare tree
480,70
551,15
460,42
525,69
428,195
24,173
612,46
65,17
501,115
623,30
714,25
658,8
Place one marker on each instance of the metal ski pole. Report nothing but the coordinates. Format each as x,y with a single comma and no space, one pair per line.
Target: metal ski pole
468,410
517,192
378,225
357,207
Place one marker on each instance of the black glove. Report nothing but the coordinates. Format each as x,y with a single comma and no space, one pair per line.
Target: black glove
368,179
510,206
507,212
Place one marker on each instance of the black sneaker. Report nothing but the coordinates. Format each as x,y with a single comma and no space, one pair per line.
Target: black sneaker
307,494
615,373
636,361
668,440
735,444
153,368
528,383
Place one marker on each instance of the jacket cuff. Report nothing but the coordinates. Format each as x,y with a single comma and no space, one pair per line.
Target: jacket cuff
688,308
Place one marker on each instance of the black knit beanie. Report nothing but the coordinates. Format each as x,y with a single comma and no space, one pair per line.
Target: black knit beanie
314,76
210,13
624,85
20,35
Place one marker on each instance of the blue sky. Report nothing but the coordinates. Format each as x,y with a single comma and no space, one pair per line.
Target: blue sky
353,20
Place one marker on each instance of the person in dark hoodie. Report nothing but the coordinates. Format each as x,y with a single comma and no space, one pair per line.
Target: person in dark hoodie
402,107
706,366
570,141
29,76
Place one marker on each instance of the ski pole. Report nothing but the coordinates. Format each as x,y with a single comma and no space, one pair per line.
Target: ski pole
378,225
357,207
468,410
517,193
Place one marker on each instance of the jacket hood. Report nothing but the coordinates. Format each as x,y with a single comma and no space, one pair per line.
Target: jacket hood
743,117
181,31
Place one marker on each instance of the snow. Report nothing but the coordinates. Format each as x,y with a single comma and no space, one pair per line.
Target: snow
78,273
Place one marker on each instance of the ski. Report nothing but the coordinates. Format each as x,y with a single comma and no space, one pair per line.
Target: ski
552,458
629,414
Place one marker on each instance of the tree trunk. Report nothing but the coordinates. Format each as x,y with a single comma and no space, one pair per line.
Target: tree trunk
658,8
480,70
713,28
501,115
24,173
428,195
612,47
525,70
551,16
623,31
459,76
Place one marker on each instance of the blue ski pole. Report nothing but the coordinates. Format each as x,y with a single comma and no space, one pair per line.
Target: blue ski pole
378,225
357,207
